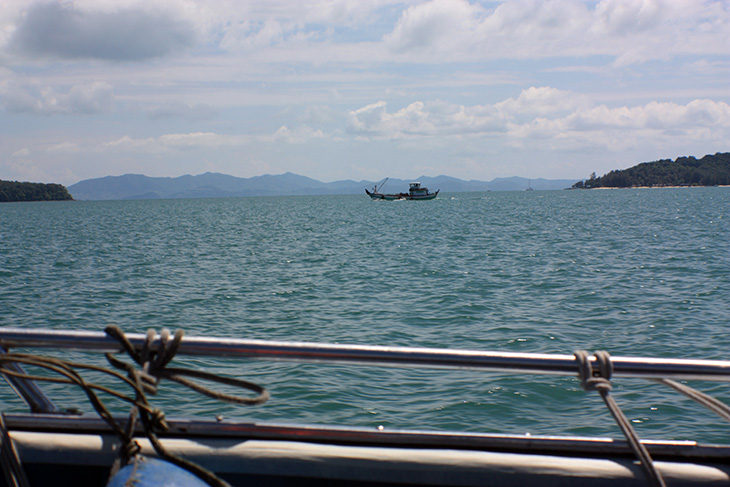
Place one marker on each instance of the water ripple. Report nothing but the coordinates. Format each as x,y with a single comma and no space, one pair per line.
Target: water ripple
635,272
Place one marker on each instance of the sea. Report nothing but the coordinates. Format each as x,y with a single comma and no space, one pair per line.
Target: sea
635,272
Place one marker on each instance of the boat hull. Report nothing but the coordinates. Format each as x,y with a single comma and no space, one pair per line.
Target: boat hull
401,196
84,459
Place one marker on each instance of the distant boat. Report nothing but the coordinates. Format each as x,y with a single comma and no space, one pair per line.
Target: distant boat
415,192
529,187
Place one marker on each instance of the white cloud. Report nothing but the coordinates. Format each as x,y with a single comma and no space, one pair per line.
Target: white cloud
368,119
83,99
438,25
168,142
542,101
299,135
341,12
249,35
638,31
629,30
63,148
90,98
246,26
177,83
624,17
319,114
659,125
550,118
179,109
22,170
209,140
442,118
514,29
533,28
419,119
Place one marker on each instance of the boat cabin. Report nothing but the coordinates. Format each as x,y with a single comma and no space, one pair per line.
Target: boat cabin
416,189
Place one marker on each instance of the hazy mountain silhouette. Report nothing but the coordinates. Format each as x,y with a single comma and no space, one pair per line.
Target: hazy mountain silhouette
215,185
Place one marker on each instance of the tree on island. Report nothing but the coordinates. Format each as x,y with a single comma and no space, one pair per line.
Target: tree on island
16,191
711,170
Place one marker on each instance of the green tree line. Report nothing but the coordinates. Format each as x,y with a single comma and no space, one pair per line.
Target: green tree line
711,170
16,191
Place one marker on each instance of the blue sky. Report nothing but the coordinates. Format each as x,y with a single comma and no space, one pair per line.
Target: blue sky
338,89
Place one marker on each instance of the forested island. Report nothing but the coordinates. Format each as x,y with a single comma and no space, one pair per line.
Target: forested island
711,170
17,191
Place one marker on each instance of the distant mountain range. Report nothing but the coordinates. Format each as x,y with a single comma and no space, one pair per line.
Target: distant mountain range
215,185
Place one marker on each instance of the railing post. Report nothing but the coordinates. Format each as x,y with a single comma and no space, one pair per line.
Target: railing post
28,390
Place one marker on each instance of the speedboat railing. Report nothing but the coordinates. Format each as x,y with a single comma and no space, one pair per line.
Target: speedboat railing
534,363
580,364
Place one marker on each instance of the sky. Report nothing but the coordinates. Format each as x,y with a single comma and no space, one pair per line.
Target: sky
360,90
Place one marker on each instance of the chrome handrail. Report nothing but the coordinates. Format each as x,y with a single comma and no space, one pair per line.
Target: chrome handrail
534,363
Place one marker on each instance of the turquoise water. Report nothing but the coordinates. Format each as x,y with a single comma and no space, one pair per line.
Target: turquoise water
634,272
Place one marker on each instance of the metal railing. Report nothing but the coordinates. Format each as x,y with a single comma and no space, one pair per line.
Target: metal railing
534,363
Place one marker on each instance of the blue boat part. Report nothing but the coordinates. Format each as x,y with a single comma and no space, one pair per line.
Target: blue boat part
150,472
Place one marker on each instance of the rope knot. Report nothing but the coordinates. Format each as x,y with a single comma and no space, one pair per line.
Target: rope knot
591,380
157,420
130,449
151,361
598,384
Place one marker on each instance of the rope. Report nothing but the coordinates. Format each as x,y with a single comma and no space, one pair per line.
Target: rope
706,400
142,381
602,384
156,370
153,369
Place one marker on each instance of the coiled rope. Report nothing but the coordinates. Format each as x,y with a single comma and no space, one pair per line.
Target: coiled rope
143,381
601,382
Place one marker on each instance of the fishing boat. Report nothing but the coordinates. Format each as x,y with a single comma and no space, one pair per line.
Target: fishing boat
415,192
51,446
